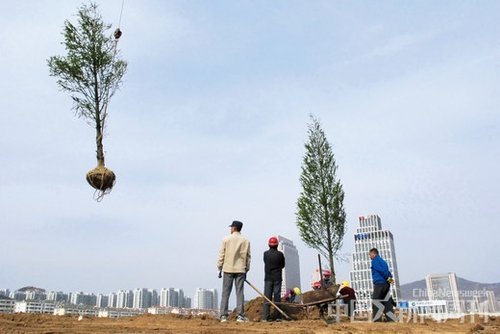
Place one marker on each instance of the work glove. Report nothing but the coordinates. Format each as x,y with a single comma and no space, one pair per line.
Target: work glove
220,274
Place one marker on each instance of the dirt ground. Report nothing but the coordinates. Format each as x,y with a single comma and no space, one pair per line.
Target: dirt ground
172,324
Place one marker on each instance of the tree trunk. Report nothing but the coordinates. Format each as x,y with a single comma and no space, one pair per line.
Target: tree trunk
100,149
98,122
332,268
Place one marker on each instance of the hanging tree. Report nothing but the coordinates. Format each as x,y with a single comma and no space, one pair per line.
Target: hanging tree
91,72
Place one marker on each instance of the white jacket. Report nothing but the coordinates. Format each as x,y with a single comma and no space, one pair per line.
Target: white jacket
234,255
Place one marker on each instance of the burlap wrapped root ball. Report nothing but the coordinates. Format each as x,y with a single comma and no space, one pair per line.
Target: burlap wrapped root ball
101,178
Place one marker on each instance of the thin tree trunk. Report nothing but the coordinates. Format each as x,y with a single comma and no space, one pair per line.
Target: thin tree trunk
334,276
98,122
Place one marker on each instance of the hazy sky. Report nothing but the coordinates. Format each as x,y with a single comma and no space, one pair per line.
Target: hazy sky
210,123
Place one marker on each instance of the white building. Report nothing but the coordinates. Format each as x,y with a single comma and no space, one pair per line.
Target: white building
112,300
102,300
291,272
57,296
370,235
491,301
124,299
28,306
76,310
206,299
142,298
7,305
169,297
444,287
118,312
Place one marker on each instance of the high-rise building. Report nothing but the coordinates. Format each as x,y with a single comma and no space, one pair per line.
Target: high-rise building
112,300
169,297
444,287
80,298
57,296
142,298
491,302
206,299
124,299
187,302
370,235
102,300
154,297
291,272
180,297
4,292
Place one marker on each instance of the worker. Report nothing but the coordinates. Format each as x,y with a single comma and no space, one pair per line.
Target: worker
234,262
349,297
327,282
274,262
291,294
382,280
316,285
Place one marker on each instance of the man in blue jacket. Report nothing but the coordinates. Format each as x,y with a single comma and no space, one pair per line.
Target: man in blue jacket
382,280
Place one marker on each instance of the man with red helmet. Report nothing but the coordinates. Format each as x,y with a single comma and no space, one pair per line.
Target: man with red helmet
274,262
327,275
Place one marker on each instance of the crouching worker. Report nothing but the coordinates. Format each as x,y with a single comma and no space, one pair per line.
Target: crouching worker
291,294
349,297
274,262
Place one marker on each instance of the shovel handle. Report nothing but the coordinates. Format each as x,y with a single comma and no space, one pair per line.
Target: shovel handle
270,301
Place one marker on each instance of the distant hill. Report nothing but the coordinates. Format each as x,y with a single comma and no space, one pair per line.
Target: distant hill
417,290
31,288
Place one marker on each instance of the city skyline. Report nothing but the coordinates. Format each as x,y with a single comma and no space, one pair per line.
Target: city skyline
209,127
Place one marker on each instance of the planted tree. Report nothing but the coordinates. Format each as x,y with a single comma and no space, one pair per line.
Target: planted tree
320,207
91,72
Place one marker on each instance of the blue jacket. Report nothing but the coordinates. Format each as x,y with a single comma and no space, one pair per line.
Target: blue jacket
380,270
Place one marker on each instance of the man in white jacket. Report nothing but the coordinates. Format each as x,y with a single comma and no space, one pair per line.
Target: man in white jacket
234,262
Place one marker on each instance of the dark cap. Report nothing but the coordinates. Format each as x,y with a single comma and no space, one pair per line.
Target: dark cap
236,224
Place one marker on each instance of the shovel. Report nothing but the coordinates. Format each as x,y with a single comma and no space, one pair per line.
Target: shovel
270,302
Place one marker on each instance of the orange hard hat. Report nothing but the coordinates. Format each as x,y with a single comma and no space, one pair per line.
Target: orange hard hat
273,241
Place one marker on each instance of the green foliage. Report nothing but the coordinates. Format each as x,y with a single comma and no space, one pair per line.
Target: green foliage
91,72
320,206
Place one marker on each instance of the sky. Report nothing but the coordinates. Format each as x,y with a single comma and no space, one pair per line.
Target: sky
210,124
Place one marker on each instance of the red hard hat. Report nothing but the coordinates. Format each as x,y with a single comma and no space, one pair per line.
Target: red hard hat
273,241
327,272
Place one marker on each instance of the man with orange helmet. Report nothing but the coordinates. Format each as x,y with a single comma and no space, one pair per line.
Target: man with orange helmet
274,262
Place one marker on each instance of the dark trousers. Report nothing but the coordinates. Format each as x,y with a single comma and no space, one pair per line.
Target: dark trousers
382,302
272,290
351,306
227,286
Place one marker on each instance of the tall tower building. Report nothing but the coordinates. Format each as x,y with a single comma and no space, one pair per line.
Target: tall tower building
112,299
370,235
291,272
491,301
102,300
124,299
142,298
444,287
171,297
206,299
180,297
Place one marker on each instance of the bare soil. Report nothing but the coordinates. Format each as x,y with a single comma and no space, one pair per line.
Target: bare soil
174,324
